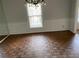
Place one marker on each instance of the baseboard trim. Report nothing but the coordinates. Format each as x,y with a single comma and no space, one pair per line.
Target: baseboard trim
42,32
4,38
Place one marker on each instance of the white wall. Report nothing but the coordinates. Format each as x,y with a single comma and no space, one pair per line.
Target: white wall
56,16
72,18
77,21
74,25
3,23
77,26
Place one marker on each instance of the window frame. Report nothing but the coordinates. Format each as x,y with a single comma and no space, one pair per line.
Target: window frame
40,15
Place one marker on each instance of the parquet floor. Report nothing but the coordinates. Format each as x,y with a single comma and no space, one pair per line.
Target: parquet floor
62,44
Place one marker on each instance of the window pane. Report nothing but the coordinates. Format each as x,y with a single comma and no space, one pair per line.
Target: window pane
35,22
33,10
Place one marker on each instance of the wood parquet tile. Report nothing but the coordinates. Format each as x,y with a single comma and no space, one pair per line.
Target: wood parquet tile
62,44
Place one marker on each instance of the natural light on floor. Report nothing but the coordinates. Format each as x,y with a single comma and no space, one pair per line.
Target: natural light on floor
35,16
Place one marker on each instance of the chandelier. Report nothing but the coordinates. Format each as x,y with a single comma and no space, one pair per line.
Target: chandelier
36,2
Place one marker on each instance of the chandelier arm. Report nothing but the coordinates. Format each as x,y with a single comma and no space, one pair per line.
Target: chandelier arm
35,2
28,1
38,1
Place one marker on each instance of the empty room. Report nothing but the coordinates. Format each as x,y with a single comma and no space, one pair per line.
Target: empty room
39,28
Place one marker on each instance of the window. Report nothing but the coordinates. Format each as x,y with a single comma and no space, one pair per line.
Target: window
35,16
